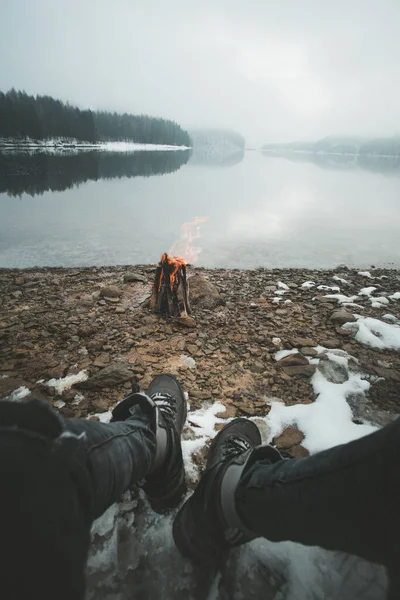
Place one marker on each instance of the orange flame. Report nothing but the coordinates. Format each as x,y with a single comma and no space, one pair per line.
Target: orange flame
175,263
184,247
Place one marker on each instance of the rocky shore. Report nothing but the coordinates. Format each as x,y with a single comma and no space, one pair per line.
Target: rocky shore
92,324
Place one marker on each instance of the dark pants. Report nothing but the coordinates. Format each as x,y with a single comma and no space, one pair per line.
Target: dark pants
117,455
346,498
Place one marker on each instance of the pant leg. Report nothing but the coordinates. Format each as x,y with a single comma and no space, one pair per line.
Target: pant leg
346,498
118,455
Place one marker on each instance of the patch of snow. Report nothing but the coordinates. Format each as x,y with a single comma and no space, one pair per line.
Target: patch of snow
59,404
390,318
130,146
78,399
365,274
308,284
64,383
203,422
276,300
395,296
341,298
19,394
340,279
279,292
334,288
352,305
104,417
283,285
375,333
367,291
379,301
3,376
326,422
188,361
276,340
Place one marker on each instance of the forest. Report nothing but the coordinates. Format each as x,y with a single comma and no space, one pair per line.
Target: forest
34,173
42,117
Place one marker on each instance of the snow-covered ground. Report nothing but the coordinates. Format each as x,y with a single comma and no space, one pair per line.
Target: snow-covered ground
59,144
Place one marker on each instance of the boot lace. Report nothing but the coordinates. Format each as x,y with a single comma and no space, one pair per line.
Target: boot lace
234,445
167,405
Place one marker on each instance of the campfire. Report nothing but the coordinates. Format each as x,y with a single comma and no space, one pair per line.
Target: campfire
170,296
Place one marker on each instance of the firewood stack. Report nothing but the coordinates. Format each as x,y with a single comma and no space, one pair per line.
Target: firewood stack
170,295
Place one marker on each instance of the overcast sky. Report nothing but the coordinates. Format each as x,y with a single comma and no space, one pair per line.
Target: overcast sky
271,69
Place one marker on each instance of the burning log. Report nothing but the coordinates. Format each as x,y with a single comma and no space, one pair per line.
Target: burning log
170,296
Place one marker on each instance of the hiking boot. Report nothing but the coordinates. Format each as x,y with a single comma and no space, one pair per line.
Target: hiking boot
207,525
166,405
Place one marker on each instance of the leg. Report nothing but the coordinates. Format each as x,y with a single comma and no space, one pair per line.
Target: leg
345,498
118,455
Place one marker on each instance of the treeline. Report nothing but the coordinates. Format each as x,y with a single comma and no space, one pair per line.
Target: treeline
38,172
42,117
389,146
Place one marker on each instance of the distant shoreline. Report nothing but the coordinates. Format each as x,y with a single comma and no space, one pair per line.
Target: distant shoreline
75,145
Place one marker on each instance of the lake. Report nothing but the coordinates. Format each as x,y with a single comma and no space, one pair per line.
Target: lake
103,208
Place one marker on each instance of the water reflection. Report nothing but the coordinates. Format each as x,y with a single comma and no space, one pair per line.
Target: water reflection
39,172
325,160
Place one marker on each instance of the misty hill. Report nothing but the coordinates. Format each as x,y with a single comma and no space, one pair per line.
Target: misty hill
43,117
389,146
216,147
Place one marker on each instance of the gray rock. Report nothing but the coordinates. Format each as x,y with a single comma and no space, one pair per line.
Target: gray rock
203,293
342,316
308,351
333,371
257,367
113,375
300,371
303,342
330,343
110,291
133,276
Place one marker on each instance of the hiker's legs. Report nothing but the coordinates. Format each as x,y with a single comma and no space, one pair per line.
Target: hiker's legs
346,498
118,455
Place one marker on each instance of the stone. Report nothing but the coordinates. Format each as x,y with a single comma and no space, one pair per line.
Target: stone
290,436
298,342
102,360
19,280
133,276
281,312
110,291
330,343
387,373
298,452
307,351
292,360
109,377
325,300
300,371
203,293
342,316
333,371
120,310
257,367
58,371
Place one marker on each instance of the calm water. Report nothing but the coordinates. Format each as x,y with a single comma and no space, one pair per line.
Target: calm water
104,209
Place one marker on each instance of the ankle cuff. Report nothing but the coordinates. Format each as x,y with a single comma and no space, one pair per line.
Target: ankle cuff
235,531
161,442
